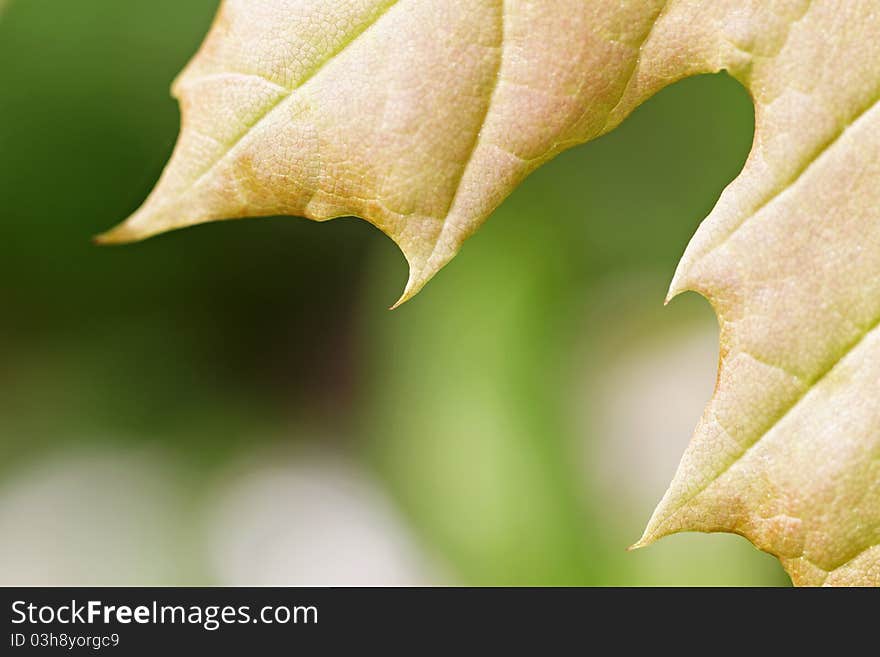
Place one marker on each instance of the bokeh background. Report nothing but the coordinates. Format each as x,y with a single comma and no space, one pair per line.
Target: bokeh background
233,404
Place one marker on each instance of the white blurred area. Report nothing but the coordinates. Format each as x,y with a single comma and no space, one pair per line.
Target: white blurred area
92,518
122,516
310,518
646,402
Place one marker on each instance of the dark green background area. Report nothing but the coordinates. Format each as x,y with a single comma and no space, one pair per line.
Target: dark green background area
459,402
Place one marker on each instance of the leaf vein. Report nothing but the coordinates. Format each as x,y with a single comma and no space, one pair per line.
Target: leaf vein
477,136
289,92
821,150
785,412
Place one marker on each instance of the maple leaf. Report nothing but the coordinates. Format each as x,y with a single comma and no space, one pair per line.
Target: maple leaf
421,117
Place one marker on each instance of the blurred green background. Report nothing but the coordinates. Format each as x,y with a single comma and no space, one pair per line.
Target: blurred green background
233,404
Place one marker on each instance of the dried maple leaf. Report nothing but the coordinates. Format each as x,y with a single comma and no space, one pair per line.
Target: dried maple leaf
421,116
